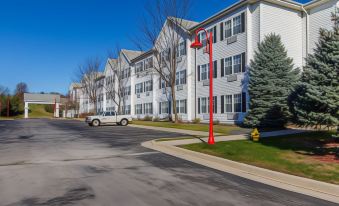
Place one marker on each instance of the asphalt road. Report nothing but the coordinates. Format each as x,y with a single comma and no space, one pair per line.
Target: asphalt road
63,162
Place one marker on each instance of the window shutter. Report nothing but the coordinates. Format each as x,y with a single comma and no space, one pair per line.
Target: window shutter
215,104
185,44
222,67
222,103
221,31
198,73
243,62
144,86
198,105
243,22
199,40
159,107
160,83
215,34
215,69
243,101
135,90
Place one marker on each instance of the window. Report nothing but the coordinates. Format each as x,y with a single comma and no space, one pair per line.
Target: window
139,67
177,78
228,103
237,102
204,72
181,106
148,86
181,49
183,77
237,25
148,107
203,105
237,63
203,39
126,109
164,107
148,63
138,88
126,91
228,28
228,65
138,109
180,77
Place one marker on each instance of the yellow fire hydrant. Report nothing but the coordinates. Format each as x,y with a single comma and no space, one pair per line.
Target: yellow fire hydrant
255,135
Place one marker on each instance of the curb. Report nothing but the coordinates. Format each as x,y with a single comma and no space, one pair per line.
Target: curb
321,190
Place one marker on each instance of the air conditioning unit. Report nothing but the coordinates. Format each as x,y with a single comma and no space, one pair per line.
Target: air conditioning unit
180,87
138,75
206,83
147,93
232,78
232,39
138,95
179,59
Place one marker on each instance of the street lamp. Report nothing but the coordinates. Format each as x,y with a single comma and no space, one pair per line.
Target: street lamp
197,44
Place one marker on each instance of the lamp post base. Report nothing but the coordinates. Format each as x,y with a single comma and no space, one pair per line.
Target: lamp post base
211,139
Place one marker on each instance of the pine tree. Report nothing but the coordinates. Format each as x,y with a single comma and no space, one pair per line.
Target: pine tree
271,79
315,101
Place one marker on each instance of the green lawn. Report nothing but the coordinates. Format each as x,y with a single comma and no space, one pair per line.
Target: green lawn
294,154
36,111
222,129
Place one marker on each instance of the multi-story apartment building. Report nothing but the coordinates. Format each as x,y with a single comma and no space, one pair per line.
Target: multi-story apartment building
236,32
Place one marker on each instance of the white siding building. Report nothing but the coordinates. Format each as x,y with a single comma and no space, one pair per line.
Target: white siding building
236,30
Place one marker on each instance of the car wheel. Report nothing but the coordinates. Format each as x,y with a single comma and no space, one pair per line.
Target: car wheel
90,124
124,122
95,123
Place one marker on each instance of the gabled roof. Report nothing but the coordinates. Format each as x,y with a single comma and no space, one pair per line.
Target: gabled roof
131,54
75,85
184,23
143,55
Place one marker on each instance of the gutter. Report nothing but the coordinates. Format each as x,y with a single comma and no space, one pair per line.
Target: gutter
307,28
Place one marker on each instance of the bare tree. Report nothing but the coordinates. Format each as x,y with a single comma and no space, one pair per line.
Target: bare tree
3,91
116,86
163,30
88,74
20,89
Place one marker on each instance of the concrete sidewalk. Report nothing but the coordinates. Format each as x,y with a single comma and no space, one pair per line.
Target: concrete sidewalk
321,190
166,129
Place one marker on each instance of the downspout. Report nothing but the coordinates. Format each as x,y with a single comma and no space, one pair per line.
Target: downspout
307,29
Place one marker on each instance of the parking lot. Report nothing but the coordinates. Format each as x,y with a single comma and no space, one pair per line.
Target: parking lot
64,162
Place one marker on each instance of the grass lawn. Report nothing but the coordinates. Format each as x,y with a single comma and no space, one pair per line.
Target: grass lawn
36,111
308,155
222,129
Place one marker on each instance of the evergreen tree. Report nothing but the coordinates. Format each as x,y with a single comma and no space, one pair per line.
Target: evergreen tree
315,101
271,79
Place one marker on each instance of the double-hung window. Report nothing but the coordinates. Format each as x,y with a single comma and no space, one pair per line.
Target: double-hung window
228,65
138,109
139,67
164,107
181,106
228,103
203,39
138,88
237,102
148,63
237,25
148,86
177,75
181,49
203,104
204,72
228,28
237,64
148,108
183,77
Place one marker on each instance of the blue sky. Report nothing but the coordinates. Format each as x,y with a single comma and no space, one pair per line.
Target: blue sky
43,41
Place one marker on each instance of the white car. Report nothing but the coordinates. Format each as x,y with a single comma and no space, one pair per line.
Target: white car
108,118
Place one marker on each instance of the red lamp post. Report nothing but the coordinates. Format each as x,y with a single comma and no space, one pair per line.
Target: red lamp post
209,49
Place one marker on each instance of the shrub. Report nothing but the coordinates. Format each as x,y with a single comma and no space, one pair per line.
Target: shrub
196,121
147,118
216,122
156,119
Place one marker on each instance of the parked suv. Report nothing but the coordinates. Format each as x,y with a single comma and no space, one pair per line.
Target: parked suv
108,118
